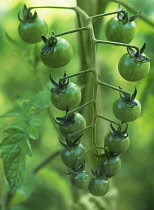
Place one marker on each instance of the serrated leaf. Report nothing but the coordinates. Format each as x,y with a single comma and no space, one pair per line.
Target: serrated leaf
33,132
15,147
15,128
42,99
35,121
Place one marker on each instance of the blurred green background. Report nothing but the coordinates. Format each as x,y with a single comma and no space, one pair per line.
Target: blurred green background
23,75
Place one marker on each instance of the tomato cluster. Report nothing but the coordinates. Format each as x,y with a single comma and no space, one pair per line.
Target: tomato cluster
66,96
56,52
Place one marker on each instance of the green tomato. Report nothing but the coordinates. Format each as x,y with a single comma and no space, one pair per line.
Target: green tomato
132,70
59,56
69,98
78,123
98,186
116,144
119,31
108,166
31,30
80,180
124,111
69,156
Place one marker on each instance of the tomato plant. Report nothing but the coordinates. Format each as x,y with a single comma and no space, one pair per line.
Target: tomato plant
121,28
31,27
65,94
134,66
56,53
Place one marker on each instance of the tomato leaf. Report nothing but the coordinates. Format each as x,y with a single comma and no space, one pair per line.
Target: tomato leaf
33,132
42,99
15,147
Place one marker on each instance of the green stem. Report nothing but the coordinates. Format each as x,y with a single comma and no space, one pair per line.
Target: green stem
71,31
86,152
81,107
104,14
80,131
134,10
76,74
114,88
51,7
46,161
118,44
81,12
111,121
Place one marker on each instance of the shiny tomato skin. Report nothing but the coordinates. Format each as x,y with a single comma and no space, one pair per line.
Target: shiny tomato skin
109,166
79,124
117,31
80,180
70,98
59,56
132,70
69,155
124,112
116,144
31,30
98,186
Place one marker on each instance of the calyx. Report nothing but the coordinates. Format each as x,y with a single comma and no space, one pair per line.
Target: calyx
61,86
129,99
50,43
27,15
123,16
138,55
119,132
67,120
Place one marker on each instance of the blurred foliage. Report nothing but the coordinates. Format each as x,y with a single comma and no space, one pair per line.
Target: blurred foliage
23,76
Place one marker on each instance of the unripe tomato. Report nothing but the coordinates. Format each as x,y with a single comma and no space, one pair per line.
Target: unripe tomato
31,30
125,111
80,180
72,126
70,97
108,166
69,156
98,186
58,54
119,31
116,144
131,69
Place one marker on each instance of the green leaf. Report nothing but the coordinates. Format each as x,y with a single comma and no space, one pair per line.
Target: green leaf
15,147
33,132
42,99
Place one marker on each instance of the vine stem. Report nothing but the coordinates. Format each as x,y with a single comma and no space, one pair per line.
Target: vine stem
71,31
51,7
76,74
104,14
111,121
81,107
118,44
46,161
114,88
